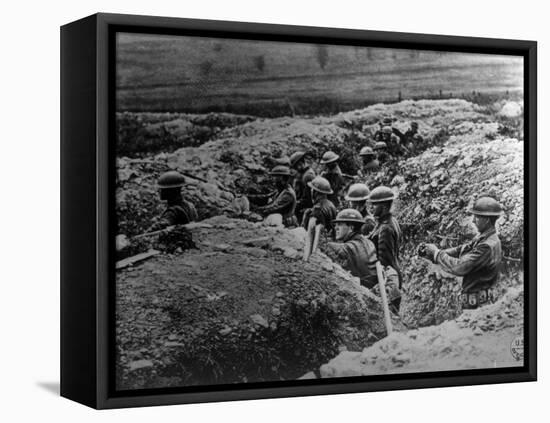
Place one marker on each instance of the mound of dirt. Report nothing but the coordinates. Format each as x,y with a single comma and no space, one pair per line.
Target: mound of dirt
478,339
243,306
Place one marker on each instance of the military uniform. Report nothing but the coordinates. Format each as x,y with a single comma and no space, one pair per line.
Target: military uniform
378,135
176,214
386,237
324,213
284,204
303,192
394,144
370,223
358,255
478,263
412,140
337,182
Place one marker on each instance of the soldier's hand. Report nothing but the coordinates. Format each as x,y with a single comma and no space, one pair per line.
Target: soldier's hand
421,250
122,242
431,251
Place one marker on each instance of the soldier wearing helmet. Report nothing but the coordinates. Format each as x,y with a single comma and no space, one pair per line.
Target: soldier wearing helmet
333,175
178,211
369,163
386,237
304,174
353,250
323,209
381,150
412,139
477,261
285,201
393,143
357,196
385,122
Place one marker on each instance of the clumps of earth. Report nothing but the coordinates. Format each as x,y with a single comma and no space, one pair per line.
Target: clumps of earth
235,302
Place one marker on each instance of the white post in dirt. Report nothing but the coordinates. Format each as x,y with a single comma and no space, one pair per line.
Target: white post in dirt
384,297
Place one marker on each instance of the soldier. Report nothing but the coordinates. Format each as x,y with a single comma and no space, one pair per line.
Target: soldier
304,174
379,134
319,216
178,211
395,148
412,139
323,209
477,261
357,196
353,250
386,237
285,202
369,163
381,150
333,175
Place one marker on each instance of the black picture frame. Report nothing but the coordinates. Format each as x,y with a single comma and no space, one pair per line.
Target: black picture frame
87,209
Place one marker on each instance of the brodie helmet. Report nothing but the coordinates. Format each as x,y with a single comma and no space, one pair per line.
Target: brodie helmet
321,185
357,192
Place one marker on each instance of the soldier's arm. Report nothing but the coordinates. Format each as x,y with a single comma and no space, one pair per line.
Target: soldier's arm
477,257
338,251
282,201
454,251
398,132
168,218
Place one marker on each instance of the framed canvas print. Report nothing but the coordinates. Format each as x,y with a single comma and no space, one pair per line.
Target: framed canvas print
255,211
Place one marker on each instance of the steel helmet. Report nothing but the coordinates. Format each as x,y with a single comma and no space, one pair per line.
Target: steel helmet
381,194
366,151
380,145
171,179
373,164
387,130
357,192
280,170
387,120
329,157
321,185
285,161
296,157
349,216
486,206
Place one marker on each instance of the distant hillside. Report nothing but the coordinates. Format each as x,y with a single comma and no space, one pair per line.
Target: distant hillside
195,74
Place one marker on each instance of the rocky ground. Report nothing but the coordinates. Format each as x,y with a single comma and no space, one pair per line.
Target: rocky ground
242,306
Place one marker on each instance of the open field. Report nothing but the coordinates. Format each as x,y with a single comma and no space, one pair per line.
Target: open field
193,74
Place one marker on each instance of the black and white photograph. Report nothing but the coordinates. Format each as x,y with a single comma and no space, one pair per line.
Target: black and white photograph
291,211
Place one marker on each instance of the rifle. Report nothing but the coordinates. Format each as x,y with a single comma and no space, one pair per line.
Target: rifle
312,238
220,186
384,297
345,175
